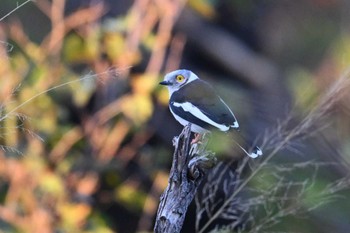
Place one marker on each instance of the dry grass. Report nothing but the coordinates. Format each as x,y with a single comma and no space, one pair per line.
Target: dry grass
239,211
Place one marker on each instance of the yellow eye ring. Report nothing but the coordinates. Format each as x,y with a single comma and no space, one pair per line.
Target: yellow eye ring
180,78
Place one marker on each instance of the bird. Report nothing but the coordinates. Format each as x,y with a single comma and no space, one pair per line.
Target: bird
193,100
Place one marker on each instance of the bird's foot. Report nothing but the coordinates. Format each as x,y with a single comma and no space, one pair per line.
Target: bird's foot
197,138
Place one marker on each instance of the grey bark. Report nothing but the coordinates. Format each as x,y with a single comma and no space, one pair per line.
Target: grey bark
190,164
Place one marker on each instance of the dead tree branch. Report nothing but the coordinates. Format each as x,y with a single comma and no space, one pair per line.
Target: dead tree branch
190,164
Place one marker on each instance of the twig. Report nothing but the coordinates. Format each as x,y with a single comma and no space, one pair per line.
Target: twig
17,7
89,76
189,166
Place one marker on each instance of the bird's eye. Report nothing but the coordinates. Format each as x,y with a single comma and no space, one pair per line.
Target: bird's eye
180,78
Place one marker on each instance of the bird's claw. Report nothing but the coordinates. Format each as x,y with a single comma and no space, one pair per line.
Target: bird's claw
196,139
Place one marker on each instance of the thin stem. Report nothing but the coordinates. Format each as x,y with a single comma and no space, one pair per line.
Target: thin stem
17,7
246,181
46,91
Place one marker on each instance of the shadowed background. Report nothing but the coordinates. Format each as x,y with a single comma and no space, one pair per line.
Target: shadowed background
86,133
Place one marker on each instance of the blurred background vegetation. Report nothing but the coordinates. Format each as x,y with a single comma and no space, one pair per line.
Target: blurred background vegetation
85,133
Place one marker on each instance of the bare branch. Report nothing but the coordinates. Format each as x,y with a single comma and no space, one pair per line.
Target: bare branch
17,7
190,164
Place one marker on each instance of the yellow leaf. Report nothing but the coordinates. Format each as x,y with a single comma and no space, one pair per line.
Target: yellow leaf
144,84
100,229
73,215
52,184
203,7
114,45
149,41
163,96
78,49
35,52
137,107
131,196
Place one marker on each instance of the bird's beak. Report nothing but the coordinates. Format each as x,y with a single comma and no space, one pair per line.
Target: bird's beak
165,83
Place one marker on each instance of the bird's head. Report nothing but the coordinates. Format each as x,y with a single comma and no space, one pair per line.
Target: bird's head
177,79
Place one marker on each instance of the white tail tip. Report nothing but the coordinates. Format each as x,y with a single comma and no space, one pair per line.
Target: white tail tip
255,153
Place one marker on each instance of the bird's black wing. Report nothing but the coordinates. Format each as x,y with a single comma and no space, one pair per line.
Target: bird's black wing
201,95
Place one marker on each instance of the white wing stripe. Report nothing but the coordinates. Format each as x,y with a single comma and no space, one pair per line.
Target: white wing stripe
188,107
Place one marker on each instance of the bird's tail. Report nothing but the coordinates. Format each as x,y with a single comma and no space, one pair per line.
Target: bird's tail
245,146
